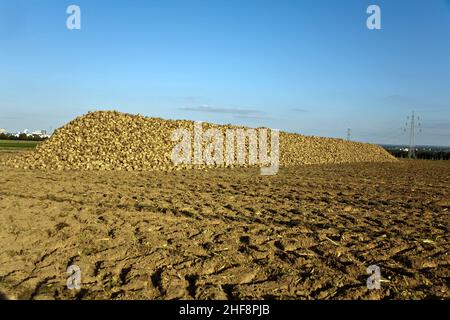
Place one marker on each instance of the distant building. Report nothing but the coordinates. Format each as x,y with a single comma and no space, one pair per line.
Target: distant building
37,133
40,133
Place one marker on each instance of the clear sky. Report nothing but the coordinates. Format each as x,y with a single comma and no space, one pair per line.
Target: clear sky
308,66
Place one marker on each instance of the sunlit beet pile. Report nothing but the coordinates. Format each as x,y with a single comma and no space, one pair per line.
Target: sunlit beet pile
110,140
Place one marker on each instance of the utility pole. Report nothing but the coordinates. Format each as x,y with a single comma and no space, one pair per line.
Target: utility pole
349,134
413,128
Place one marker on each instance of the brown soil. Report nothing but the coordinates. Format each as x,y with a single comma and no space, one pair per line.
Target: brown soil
306,233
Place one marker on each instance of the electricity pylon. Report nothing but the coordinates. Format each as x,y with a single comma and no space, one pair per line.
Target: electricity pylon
413,124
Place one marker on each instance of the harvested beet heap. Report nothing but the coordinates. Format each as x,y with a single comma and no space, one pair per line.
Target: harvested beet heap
110,140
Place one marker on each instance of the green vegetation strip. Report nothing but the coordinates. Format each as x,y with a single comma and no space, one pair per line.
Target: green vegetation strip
17,144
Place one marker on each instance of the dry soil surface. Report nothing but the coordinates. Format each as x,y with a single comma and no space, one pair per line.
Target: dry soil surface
309,232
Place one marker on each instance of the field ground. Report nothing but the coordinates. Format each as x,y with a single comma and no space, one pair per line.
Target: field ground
17,144
307,233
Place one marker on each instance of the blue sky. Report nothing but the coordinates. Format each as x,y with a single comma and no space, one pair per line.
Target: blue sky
311,67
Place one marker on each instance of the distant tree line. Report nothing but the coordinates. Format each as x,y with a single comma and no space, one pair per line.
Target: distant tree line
422,154
22,137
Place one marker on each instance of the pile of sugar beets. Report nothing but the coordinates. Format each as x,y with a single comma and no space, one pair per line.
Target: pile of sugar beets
111,140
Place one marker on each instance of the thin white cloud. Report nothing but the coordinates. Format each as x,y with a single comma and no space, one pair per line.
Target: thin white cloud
250,117
232,111
299,110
